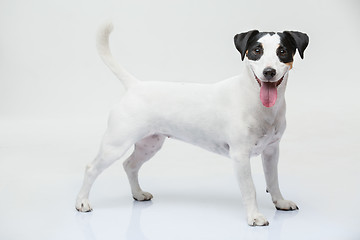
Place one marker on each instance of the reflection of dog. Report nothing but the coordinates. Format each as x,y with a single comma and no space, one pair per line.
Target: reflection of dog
228,117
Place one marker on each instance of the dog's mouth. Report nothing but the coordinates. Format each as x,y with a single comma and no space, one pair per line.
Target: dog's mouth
268,91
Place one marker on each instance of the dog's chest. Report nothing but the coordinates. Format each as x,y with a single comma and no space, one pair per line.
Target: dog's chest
264,141
265,135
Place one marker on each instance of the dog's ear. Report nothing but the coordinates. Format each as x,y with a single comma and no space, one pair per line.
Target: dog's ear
241,41
301,41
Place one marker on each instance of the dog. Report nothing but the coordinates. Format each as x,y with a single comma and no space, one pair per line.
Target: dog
239,117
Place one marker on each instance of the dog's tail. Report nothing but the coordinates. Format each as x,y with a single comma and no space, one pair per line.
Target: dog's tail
103,48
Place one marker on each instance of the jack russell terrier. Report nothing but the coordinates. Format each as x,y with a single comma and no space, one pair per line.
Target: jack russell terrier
239,117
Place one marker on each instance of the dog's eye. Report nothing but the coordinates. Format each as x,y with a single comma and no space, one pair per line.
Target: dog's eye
257,51
283,52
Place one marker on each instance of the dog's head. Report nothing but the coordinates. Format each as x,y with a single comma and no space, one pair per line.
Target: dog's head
270,57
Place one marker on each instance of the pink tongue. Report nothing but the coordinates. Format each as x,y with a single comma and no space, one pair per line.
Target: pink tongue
268,94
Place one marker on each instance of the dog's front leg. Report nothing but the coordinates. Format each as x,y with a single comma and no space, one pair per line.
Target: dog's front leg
270,158
243,173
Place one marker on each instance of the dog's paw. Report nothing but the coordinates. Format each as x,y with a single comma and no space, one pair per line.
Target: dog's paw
142,196
286,205
83,205
257,219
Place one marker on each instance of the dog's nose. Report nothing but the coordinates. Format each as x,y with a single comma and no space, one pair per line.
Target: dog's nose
269,73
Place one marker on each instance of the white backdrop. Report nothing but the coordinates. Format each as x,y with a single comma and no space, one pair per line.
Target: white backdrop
55,93
49,65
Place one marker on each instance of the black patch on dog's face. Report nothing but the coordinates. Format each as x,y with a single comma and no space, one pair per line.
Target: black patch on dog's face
289,42
247,44
287,48
255,52
255,49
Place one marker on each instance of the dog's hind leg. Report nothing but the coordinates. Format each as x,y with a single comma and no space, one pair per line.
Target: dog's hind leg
115,143
144,150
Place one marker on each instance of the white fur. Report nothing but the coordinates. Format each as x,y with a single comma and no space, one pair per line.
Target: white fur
227,118
269,59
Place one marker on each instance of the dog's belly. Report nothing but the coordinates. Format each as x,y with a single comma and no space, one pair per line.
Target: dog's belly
217,146
208,134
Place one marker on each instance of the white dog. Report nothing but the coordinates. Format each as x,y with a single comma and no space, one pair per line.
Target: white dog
240,117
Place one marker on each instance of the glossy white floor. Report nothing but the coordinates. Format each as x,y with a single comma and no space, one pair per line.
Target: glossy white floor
195,193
